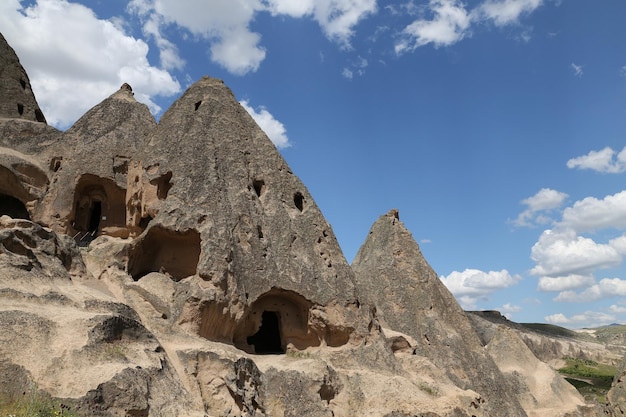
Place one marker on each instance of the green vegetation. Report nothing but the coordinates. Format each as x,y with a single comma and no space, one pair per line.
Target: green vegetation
429,389
592,379
611,334
33,404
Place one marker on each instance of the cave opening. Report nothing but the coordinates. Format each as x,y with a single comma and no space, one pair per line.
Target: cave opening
95,216
267,339
13,207
298,200
165,251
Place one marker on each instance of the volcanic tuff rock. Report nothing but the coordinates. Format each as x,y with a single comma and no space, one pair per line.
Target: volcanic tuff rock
409,297
182,269
17,100
547,347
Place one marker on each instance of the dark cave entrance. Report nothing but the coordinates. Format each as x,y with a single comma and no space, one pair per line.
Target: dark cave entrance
13,207
95,216
267,340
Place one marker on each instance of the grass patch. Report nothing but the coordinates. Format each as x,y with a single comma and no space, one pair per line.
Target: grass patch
592,379
427,388
33,404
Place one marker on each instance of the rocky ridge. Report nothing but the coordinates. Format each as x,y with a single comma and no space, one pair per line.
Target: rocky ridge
182,269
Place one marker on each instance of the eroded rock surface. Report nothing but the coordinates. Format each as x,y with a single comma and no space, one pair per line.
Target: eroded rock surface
182,269
409,297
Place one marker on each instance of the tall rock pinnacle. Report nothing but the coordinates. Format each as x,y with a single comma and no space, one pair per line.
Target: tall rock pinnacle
392,273
17,100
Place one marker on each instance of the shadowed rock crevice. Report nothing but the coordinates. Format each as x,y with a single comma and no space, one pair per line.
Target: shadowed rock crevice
166,251
13,207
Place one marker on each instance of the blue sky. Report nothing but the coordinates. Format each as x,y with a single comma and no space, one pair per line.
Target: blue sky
496,127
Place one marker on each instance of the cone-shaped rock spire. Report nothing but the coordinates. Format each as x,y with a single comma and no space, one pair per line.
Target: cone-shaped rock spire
264,218
393,275
91,166
17,100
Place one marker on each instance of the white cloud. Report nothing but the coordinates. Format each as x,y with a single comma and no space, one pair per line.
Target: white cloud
224,23
606,288
606,160
452,22
472,284
238,51
563,283
355,68
337,18
449,25
168,52
617,309
75,60
545,200
562,253
293,8
586,319
504,12
509,309
274,129
558,318
578,70
591,213
566,261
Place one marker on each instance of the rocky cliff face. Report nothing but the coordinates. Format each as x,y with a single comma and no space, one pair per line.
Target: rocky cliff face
182,269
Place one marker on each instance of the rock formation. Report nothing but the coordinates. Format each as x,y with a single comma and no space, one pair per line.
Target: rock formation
18,100
182,269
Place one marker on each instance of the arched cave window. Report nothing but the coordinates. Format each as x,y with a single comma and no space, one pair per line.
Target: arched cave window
99,206
267,340
13,207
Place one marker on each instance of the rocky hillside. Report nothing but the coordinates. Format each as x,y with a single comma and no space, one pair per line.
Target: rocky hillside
552,343
181,268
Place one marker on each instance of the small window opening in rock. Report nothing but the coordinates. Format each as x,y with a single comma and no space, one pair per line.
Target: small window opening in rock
55,163
143,223
259,187
198,104
95,216
267,340
298,200
163,185
20,108
326,393
259,230
39,116
23,83
13,207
